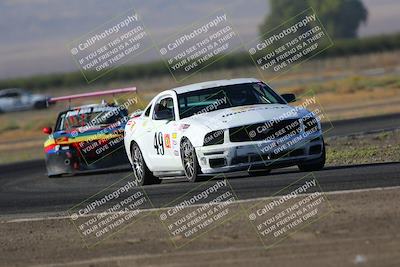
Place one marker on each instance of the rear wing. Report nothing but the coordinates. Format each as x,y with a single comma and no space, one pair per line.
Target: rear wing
92,94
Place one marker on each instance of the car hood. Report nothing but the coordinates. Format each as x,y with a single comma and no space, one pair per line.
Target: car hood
245,115
92,133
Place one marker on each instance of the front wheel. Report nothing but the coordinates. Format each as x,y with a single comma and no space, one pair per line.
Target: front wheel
189,161
54,176
141,172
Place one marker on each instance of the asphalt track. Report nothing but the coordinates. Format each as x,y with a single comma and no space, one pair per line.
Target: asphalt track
25,190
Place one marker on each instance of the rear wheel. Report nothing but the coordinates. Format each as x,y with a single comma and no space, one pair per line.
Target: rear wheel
189,161
315,164
141,172
40,105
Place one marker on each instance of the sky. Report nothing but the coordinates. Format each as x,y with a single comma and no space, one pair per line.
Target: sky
35,33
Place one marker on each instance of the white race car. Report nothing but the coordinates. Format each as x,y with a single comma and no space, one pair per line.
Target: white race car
221,126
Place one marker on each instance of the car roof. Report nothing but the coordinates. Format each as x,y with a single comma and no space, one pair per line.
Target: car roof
8,90
211,84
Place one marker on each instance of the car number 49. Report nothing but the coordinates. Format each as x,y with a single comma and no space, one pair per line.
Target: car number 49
159,143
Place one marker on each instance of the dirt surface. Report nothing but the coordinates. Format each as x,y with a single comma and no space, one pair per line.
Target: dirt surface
361,230
360,149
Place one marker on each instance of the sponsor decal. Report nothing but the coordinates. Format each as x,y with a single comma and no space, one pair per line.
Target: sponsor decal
62,139
175,147
174,135
167,141
133,124
183,127
235,109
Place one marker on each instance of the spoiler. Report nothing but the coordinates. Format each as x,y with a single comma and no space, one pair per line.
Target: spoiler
93,94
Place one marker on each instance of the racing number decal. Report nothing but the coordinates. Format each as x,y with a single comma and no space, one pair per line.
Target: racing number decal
159,143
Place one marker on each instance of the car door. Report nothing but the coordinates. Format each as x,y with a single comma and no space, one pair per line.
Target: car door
18,100
163,152
142,132
6,103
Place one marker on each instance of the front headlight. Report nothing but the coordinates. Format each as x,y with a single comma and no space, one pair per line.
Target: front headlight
214,138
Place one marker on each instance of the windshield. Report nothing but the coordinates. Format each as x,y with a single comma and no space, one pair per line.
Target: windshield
207,100
90,118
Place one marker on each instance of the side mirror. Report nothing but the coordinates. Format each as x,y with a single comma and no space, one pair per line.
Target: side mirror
164,114
289,97
136,113
47,130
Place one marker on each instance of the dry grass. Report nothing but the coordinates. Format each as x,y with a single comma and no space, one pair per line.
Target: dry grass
372,148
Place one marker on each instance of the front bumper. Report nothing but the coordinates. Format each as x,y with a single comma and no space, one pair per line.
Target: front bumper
62,162
70,161
259,154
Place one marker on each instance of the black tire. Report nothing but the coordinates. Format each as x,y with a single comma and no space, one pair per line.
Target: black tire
51,176
40,105
189,161
316,164
141,172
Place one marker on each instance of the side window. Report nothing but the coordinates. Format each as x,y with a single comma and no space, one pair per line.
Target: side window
60,124
165,106
167,103
147,112
11,94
